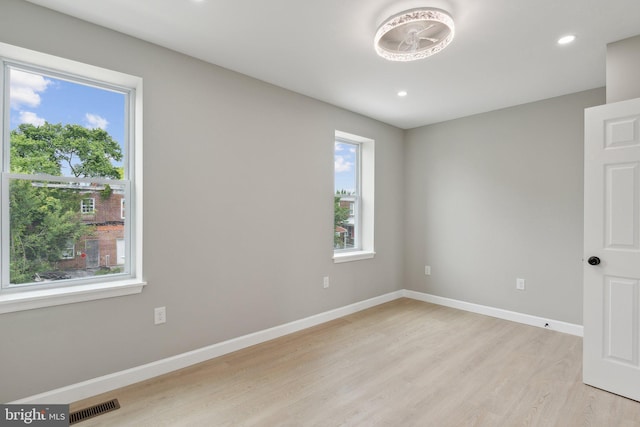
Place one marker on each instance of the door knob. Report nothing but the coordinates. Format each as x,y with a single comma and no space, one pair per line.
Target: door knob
594,260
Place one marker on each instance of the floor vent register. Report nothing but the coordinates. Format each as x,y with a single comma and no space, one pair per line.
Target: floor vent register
93,411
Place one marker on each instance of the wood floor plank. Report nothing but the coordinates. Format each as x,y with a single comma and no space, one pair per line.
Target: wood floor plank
404,363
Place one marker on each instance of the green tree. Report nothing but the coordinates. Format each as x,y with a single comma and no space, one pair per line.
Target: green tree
43,217
340,217
42,220
72,149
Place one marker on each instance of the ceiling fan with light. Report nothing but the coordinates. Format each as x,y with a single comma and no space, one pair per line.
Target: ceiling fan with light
414,34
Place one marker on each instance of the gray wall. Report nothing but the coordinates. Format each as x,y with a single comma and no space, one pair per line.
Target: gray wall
238,213
496,196
623,69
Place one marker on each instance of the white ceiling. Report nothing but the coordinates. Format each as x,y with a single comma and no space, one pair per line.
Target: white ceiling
504,52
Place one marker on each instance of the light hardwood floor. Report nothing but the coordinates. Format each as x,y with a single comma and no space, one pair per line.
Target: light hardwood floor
404,363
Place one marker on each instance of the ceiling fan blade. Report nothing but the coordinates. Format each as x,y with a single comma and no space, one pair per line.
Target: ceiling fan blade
407,46
425,29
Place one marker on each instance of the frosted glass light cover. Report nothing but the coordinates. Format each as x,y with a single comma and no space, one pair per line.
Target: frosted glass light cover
414,34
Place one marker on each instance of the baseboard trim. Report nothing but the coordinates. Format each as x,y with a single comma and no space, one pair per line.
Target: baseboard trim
527,319
93,387
106,383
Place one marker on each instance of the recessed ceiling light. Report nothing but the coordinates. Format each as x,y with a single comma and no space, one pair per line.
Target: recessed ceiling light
402,93
414,34
566,39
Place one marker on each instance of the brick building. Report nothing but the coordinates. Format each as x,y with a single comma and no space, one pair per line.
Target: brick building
346,231
104,247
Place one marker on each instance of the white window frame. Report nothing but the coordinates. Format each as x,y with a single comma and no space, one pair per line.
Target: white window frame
18,298
70,251
365,206
90,208
353,198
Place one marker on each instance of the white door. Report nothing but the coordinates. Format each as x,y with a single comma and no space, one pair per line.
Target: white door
92,250
120,251
611,354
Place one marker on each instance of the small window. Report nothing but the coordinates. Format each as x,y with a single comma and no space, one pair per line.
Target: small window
347,197
88,206
69,251
353,197
121,208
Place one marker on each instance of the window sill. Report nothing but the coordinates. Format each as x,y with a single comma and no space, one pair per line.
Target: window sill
27,300
339,257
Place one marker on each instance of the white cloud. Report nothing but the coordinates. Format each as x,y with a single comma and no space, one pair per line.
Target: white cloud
26,89
339,146
30,118
342,165
94,121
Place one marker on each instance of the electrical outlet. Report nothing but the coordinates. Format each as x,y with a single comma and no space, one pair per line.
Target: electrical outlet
160,315
520,284
325,282
427,270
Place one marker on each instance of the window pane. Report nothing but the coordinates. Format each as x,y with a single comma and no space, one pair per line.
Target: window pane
71,228
52,237
346,163
345,220
345,168
88,206
65,128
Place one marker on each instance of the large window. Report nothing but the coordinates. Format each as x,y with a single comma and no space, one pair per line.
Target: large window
353,197
70,142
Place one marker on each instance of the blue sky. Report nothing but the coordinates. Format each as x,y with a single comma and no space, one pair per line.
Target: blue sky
345,166
35,99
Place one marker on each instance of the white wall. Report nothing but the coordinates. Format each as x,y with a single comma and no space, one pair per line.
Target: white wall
497,196
238,213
